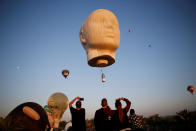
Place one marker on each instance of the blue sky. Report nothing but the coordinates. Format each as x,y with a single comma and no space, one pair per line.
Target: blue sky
38,39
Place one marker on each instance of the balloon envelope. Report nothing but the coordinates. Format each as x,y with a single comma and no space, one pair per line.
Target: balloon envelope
191,89
57,103
65,73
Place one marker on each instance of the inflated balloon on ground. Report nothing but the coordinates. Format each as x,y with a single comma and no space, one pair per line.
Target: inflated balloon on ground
57,103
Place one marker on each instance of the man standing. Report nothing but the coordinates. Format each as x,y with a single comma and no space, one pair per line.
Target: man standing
78,115
102,120
135,121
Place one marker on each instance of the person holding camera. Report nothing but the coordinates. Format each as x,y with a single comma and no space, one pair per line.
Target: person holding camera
119,116
78,115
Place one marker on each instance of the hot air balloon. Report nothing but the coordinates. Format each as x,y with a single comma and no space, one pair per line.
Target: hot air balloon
57,103
65,73
100,37
129,30
191,89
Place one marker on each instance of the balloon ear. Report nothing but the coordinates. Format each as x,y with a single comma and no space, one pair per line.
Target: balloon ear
82,37
31,113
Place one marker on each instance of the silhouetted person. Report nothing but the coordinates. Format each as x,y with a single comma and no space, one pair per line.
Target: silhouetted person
102,120
119,116
78,115
135,121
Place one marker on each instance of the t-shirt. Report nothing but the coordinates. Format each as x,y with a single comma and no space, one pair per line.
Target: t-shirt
78,119
136,121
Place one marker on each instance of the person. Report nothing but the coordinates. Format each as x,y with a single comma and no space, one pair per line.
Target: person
135,121
101,119
119,116
78,115
50,117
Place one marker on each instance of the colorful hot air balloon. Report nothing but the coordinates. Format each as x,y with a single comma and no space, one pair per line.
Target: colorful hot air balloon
191,89
57,103
65,73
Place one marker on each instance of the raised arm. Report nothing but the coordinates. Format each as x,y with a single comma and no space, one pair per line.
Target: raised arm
128,104
70,104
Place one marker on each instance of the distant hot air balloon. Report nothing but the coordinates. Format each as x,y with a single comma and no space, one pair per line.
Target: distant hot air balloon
65,73
57,103
129,30
191,89
149,45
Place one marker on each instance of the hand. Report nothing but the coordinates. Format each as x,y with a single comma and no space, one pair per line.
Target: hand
78,97
121,98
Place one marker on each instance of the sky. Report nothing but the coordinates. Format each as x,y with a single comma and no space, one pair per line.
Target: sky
38,39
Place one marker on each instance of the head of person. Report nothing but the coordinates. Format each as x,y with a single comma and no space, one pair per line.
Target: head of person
104,102
100,33
132,112
78,104
118,104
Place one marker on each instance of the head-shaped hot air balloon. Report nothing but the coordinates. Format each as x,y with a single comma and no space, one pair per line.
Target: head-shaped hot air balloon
191,89
65,73
100,37
57,103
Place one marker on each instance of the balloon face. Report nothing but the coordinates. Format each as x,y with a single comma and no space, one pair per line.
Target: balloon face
65,73
57,103
191,89
100,37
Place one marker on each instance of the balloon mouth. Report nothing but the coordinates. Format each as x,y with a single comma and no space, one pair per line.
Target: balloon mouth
101,61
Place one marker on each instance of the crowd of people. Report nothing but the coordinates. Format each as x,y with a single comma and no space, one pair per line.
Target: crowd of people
31,116
105,118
